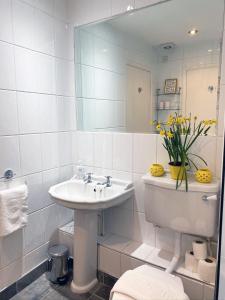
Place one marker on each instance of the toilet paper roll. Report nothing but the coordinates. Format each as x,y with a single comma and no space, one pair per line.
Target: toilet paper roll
207,269
191,263
200,249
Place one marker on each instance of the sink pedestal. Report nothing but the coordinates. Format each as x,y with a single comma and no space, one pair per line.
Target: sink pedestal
84,251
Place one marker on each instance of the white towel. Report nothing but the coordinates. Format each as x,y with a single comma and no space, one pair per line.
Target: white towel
13,209
136,285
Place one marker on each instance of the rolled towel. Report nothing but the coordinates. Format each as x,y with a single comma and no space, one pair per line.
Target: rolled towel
139,285
13,209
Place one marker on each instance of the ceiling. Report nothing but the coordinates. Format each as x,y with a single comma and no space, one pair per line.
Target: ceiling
170,21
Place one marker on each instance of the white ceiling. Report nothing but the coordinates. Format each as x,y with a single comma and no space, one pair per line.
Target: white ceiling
170,21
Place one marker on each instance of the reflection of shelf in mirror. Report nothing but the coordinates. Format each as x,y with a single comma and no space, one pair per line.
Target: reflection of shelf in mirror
168,108
162,94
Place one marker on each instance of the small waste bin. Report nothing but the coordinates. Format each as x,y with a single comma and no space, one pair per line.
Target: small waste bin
58,264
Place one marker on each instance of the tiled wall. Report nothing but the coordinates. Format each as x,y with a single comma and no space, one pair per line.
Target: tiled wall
116,151
37,116
128,156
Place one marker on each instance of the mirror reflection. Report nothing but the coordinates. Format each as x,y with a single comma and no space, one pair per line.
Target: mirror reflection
147,65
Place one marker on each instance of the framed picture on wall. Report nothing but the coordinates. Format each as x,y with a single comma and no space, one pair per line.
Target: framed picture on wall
170,86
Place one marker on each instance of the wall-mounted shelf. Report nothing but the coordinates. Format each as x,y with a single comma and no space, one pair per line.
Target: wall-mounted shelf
168,109
178,92
160,110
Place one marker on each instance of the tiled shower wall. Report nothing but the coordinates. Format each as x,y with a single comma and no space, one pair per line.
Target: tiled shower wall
37,116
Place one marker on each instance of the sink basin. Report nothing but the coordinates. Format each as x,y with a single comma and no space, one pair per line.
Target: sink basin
76,194
86,199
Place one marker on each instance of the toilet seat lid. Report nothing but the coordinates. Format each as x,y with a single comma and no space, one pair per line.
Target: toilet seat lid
148,283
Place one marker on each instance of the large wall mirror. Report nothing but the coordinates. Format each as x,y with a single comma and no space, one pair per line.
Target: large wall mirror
148,64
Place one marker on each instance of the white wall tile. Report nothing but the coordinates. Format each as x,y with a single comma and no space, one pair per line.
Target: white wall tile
120,6
64,40
129,263
61,9
23,23
103,150
29,112
66,113
122,152
192,288
36,195
47,6
50,150
50,178
35,258
85,151
109,261
208,292
144,152
65,148
50,223
7,75
43,32
49,113
11,273
64,77
9,154
33,234
5,21
79,11
162,155
67,240
42,80
8,113
11,248
30,153
205,147
139,192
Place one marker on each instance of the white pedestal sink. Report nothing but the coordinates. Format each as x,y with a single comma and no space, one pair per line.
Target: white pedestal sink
86,199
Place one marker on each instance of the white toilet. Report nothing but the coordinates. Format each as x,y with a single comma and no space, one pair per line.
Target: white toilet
148,283
193,212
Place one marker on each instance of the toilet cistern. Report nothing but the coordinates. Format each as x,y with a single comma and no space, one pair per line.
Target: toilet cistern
193,212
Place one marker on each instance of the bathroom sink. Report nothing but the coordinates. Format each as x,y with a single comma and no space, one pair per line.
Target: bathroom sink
86,199
76,194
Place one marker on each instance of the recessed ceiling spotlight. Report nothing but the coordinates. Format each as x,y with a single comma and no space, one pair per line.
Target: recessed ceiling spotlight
210,50
193,31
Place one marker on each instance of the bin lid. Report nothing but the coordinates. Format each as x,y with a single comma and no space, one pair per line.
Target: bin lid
58,251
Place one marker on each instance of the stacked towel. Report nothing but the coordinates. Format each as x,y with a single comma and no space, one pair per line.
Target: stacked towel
139,285
13,209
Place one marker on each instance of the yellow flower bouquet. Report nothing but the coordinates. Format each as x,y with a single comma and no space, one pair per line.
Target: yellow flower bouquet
179,134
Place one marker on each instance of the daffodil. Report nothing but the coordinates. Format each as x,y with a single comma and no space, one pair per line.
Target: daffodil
158,127
169,135
162,133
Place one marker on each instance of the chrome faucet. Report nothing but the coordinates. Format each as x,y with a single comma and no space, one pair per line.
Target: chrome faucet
88,178
107,183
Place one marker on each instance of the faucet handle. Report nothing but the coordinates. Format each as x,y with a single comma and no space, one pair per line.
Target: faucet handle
88,178
108,181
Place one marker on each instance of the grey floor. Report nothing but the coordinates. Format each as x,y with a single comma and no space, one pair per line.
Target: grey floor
42,289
